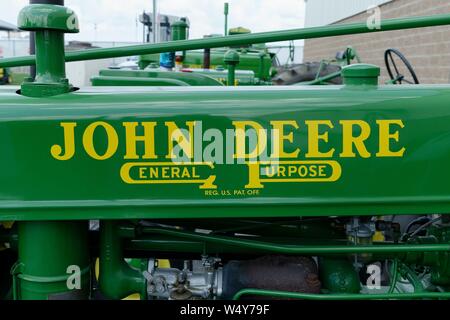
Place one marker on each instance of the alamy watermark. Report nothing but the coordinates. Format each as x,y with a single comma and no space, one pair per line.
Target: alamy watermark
74,280
374,280
374,19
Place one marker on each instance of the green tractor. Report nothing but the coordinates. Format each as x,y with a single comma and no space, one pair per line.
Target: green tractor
251,65
329,72
187,192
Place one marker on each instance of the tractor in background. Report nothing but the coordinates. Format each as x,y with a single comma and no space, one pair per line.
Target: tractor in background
251,65
329,72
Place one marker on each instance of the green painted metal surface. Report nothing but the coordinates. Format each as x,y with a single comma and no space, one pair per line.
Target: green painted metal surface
302,249
48,17
53,261
117,279
131,81
179,30
250,60
110,153
50,22
191,78
357,181
242,77
361,74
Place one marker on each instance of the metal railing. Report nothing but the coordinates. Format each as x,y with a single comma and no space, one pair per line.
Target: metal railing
239,40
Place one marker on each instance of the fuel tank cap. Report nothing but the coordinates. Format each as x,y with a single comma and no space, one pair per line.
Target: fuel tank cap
361,74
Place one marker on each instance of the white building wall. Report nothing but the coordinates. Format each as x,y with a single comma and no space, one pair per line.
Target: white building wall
324,12
79,73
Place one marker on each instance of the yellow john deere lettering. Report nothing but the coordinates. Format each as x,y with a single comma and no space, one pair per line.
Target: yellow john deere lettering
273,157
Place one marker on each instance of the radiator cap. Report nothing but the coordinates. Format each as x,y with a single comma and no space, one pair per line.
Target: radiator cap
361,74
48,17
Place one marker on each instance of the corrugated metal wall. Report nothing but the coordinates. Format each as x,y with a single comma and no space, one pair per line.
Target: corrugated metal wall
324,12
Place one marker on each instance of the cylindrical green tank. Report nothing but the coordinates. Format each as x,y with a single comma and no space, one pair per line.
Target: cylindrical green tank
53,261
180,30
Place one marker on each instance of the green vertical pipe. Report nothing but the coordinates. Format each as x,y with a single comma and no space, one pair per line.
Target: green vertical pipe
32,34
231,59
49,22
49,255
179,32
394,276
117,279
50,65
261,66
231,75
226,10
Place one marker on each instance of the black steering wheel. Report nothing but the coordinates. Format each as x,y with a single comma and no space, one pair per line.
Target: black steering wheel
398,78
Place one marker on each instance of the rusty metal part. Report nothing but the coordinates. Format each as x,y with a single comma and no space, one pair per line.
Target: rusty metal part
293,274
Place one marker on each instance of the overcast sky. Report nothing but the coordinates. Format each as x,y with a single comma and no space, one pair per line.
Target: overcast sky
115,20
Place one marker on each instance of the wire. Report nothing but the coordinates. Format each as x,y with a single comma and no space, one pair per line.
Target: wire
394,276
415,221
416,232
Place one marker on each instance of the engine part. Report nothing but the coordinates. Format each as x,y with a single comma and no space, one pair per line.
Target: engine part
206,280
440,273
338,275
294,274
198,280
360,232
